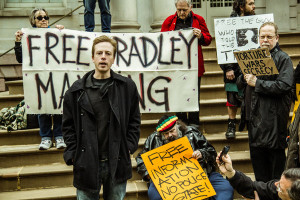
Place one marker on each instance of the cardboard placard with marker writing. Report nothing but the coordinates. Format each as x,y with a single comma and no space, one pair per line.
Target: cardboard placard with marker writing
257,62
174,172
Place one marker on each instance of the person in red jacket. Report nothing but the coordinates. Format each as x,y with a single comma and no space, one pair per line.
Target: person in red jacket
185,18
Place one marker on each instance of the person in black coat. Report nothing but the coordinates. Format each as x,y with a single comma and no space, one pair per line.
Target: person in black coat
101,126
266,109
287,188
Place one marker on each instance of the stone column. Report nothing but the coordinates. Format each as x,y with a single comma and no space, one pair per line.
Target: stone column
161,9
293,14
124,16
281,10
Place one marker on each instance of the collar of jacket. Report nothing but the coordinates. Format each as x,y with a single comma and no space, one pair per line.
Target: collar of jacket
192,15
188,19
275,49
80,84
83,98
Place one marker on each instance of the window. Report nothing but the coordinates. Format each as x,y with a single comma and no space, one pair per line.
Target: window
23,7
221,3
196,3
33,3
214,3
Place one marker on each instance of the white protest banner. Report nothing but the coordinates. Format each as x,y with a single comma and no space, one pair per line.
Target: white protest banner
237,34
164,67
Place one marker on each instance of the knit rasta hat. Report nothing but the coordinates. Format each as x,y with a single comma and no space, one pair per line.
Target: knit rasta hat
166,123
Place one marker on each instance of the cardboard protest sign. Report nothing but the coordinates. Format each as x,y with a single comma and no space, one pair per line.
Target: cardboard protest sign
164,67
257,62
175,174
237,34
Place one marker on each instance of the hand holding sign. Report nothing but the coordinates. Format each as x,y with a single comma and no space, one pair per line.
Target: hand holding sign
250,79
230,75
197,154
197,32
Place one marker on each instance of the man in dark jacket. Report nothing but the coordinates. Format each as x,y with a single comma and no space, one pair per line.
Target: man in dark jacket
170,129
232,71
185,18
267,106
101,126
287,188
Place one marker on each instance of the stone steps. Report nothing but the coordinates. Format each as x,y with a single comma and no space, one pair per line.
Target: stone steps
19,137
42,175
52,174
136,190
7,100
15,87
210,92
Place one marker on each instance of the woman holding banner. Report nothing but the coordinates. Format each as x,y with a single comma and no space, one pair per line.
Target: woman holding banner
39,18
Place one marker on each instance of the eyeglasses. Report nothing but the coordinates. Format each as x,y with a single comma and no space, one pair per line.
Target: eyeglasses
268,37
278,189
40,18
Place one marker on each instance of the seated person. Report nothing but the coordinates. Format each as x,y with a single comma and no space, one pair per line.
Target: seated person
287,188
204,152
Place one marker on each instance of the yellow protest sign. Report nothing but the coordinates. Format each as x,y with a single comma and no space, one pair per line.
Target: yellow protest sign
297,101
257,62
175,174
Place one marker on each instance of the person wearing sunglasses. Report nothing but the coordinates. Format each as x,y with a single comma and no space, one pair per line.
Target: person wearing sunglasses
39,18
286,188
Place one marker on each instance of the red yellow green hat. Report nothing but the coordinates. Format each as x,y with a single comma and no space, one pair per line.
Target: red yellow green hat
166,123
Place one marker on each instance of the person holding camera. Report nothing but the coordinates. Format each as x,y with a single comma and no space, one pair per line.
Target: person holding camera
287,188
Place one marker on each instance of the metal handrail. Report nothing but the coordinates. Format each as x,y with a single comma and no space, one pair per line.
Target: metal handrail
49,25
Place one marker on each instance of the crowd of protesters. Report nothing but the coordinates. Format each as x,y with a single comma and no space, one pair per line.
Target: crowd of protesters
100,131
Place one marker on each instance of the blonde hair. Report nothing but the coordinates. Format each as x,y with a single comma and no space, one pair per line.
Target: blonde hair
104,38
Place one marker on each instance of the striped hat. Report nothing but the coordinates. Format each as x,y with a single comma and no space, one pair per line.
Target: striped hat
166,123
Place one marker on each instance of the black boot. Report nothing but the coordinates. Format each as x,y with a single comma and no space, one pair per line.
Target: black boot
230,133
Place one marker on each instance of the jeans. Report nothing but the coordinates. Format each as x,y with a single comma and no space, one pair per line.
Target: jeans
224,190
45,123
222,187
110,191
89,19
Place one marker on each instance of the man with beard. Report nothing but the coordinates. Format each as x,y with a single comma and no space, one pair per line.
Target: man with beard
267,105
232,71
170,129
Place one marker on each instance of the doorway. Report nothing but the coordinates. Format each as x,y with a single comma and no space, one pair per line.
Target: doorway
212,9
